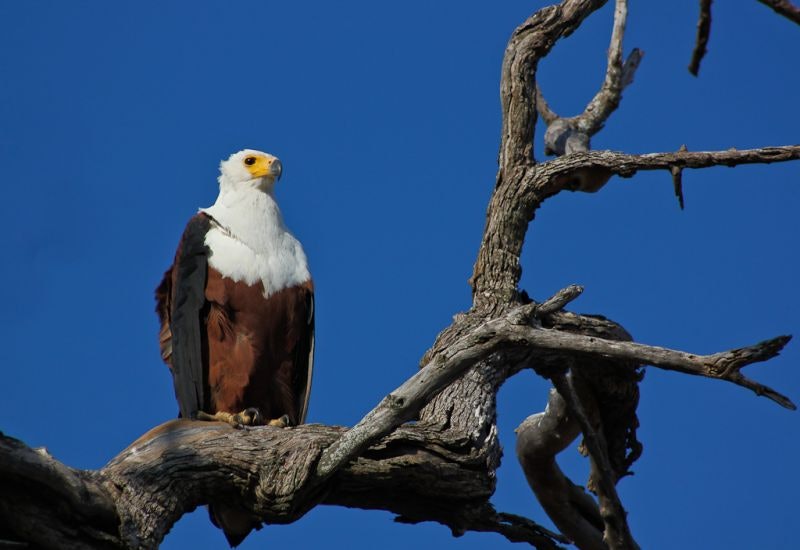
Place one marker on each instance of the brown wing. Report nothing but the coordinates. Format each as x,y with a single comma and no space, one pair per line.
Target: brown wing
163,305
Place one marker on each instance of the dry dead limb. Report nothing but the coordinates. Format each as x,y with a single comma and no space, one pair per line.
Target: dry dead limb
573,134
784,8
553,176
540,438
616,532
703,33
441,467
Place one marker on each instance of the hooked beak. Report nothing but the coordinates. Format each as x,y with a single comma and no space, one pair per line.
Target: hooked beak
276,169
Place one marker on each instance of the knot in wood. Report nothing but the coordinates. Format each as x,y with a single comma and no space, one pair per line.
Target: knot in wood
563,137
396,402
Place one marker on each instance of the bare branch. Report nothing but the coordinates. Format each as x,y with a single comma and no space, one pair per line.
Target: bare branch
278,474
630,66
497,269
508,330
406,401
784,8
558,300
722,366
442,467
781,7
513,527
677,180
570,135
540,438
568,172
703,32
133,501
520,529
677,184
529,43
608,97
544,110
617,533
51,505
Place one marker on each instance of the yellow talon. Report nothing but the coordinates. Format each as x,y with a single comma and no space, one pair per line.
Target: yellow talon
248,417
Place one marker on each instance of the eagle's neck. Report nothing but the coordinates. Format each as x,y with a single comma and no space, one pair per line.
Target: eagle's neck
249,241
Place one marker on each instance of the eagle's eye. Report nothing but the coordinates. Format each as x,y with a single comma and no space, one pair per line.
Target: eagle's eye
250,161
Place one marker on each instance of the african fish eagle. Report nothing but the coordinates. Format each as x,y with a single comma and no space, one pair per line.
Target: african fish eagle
237,311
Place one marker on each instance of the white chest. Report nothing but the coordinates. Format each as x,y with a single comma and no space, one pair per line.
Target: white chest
251,244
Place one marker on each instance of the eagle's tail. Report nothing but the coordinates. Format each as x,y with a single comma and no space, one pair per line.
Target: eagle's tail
235,522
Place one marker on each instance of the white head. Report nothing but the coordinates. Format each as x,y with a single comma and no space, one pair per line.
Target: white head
249,241
249,169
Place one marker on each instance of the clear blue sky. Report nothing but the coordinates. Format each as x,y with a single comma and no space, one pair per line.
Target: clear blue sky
114,117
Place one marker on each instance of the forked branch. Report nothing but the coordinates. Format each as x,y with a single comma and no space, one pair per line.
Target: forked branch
573,134
617,533
435,469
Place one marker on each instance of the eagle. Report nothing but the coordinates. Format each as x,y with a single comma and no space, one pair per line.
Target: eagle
237,312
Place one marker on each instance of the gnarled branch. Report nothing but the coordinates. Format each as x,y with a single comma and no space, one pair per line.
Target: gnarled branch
441,467
571,135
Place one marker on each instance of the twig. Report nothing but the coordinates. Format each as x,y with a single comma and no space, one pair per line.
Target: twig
617,533
677,179
520,529
703,32
784,8
558,300
544,110
630,66
677,183
513,527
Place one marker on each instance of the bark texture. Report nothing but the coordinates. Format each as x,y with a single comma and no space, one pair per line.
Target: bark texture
429,450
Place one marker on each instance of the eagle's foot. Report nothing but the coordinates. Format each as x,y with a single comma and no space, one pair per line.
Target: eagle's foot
282,422
248,417
251,416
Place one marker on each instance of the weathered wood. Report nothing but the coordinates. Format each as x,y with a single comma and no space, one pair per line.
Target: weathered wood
279,474
541,437
497,269
182,464
565,135
49,505
441,467
616,532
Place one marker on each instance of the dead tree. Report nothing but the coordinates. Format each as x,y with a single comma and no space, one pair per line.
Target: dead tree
429,450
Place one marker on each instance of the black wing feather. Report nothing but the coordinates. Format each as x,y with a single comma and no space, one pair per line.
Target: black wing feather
304,355
188,311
